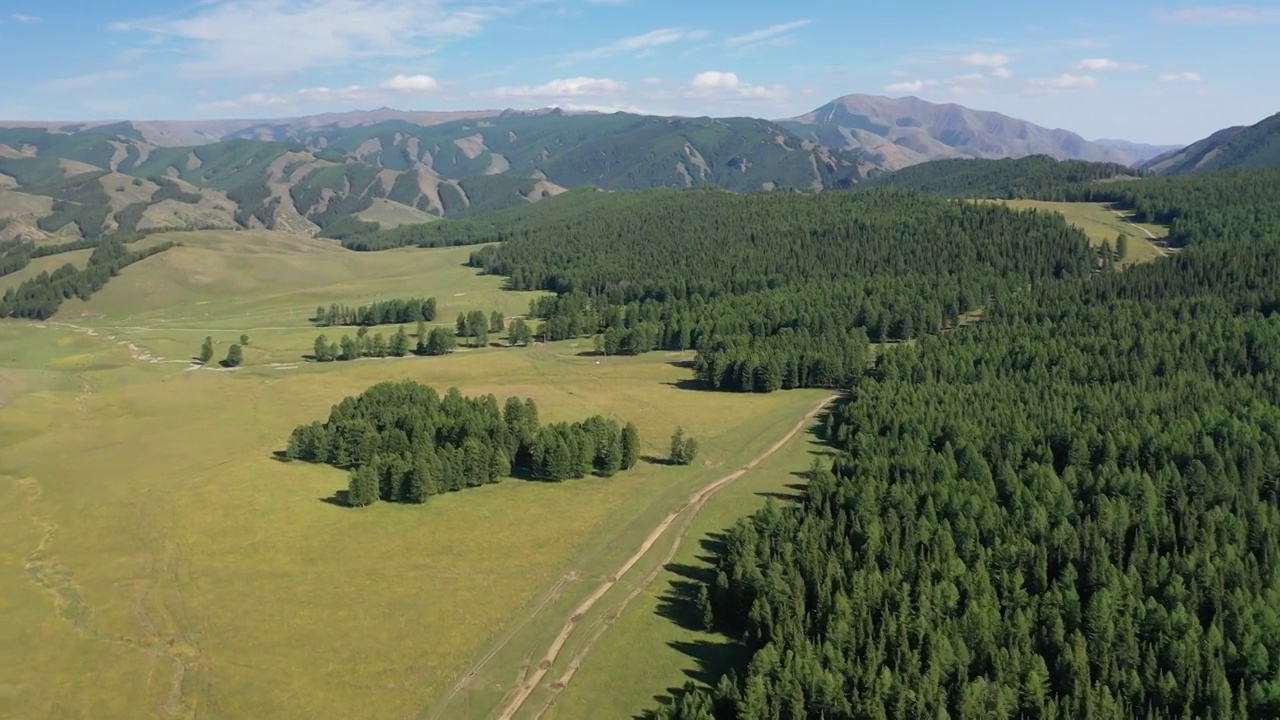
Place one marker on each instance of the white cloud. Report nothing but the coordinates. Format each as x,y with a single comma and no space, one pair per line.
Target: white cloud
765,33
727,85
638,43
1222,15
1065,81
991,60
562,88
255,38
970,78
652,81
909,86
1003,73
1180,77
21,18
410,83
1101,64
387,91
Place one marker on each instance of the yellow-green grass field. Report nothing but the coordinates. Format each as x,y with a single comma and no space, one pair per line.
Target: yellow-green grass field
1102,223
157,561
392,214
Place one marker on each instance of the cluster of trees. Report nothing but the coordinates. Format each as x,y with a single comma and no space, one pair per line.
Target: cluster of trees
383,312
40,297
235,353
430,341
684,449
1037,176
437,342
1071,509
403,442
17,254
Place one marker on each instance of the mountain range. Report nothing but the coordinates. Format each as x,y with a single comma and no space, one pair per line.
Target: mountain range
330,173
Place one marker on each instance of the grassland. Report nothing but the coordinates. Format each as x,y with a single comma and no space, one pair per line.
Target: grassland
391,214
1102,223
156,561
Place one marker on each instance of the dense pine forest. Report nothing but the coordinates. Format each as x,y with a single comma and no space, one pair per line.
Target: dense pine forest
774,291
1070,509
40,297
403,442
1037,176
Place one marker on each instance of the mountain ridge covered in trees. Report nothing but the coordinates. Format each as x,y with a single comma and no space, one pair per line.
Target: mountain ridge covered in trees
1038,176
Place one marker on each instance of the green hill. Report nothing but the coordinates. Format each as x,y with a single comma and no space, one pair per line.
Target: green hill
1228,149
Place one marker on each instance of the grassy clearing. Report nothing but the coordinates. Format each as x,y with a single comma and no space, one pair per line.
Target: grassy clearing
388,214
1102,223
149,540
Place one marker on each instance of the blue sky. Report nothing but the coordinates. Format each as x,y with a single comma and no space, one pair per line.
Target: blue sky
1162,72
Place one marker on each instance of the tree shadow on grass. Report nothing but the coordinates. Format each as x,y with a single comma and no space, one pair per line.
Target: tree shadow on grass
281,456
685,364
691,384
338,499
657,460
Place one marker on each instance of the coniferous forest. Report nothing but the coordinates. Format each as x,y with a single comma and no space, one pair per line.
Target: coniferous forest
403,442
777,291
1070,509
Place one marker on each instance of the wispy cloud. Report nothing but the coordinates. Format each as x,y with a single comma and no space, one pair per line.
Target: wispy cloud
22,18
1179,77
772,31
1104,64
909,86
1003,73
560,88
397,87
254,38
85,82
638,44
1054,85
1230,15
991,60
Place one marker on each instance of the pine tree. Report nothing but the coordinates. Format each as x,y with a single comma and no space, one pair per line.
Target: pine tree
321,350
235,356
363,486
206,351
496,324
244,339
630,450
1122,246
464,329
400,343
350,350
683,449
378,347
422,337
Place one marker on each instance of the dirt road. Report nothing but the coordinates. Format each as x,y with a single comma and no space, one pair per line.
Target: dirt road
690,507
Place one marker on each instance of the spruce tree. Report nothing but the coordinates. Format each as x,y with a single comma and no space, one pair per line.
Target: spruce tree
422,337
206,351
496,322
362,488
1122,246
244,339
630,450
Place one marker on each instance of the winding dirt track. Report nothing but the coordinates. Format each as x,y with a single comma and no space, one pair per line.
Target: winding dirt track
691,506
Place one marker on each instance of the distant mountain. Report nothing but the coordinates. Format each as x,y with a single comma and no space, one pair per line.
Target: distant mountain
893,133
306,176
1234,147
1140,152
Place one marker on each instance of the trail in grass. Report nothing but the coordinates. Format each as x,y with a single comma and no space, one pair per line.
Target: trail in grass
686,511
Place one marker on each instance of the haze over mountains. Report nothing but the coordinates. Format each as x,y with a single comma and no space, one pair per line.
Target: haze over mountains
341,172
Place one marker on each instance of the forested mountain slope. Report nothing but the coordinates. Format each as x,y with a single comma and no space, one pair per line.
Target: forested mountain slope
1070,509
1231,148
109,177
1038,176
